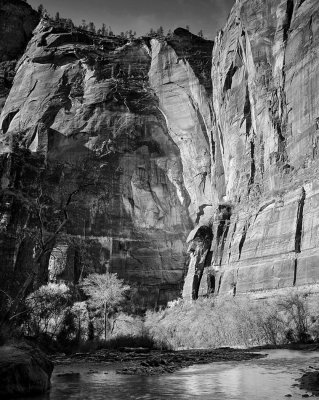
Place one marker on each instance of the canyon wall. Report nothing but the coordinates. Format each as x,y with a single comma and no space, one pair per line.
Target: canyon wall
17,21
82,122
265,78
162,141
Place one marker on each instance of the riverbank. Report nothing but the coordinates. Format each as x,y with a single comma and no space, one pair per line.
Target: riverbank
289,346
147,362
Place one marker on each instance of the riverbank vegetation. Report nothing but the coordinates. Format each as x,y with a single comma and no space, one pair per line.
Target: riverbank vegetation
216,322
99,314
96,313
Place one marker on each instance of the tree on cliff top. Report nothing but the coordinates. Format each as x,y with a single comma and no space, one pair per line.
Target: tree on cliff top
105,292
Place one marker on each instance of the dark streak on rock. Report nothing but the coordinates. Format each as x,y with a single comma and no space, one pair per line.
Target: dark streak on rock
289,13
298,234
243,239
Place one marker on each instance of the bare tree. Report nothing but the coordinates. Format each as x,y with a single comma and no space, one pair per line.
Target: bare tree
49,212
105,292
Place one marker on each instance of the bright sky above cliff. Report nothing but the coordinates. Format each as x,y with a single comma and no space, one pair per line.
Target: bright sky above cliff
141,15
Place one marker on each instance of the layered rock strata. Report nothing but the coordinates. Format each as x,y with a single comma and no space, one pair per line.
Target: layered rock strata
82,120
181,137
265,78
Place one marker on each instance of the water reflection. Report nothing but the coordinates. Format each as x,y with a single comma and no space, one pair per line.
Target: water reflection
270,378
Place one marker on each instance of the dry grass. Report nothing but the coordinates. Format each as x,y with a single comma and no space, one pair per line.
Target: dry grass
217,322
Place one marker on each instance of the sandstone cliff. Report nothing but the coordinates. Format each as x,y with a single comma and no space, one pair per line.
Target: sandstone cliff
17,21
265,77
183,137
83,103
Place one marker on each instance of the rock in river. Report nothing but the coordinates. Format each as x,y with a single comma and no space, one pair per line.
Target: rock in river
24,370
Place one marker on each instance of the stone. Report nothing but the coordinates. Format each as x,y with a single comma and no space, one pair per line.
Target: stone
265,160
24,371
184,102
181,135
17,21
95,108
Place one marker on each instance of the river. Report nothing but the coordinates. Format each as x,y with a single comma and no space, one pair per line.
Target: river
269,378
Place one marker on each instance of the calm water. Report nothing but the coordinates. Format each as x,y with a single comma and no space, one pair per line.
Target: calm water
270,378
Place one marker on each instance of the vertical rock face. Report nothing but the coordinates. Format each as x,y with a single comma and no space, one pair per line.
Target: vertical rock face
82,103
265,78
180,76
180,137
17,21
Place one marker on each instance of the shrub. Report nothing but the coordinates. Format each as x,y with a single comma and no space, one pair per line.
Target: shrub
296,314
47,309
216,322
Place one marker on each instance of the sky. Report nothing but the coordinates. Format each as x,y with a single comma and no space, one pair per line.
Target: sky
141,15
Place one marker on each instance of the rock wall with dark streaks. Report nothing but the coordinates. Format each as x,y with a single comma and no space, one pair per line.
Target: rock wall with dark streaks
265,77
83,103
184,140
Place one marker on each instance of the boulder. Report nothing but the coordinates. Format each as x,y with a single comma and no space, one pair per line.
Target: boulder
24,370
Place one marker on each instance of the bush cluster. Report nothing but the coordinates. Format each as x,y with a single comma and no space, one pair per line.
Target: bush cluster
217,322
53,313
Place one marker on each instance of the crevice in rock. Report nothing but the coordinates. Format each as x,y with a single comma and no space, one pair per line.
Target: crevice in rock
264,207
295,272
136,259
219,171
262,159
33,87
299,226
243,239
213,147
202,124
223,220
200,118
7,121
221,138
281,144
65,90
247,113
229,78
219,284
252,164
231,241
289,13
132,202
211,284
279,118
223,241
201,247
234,289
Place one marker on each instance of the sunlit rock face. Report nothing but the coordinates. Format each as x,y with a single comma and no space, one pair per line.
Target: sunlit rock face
265,79
189,143
180,75
17,21
78,101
